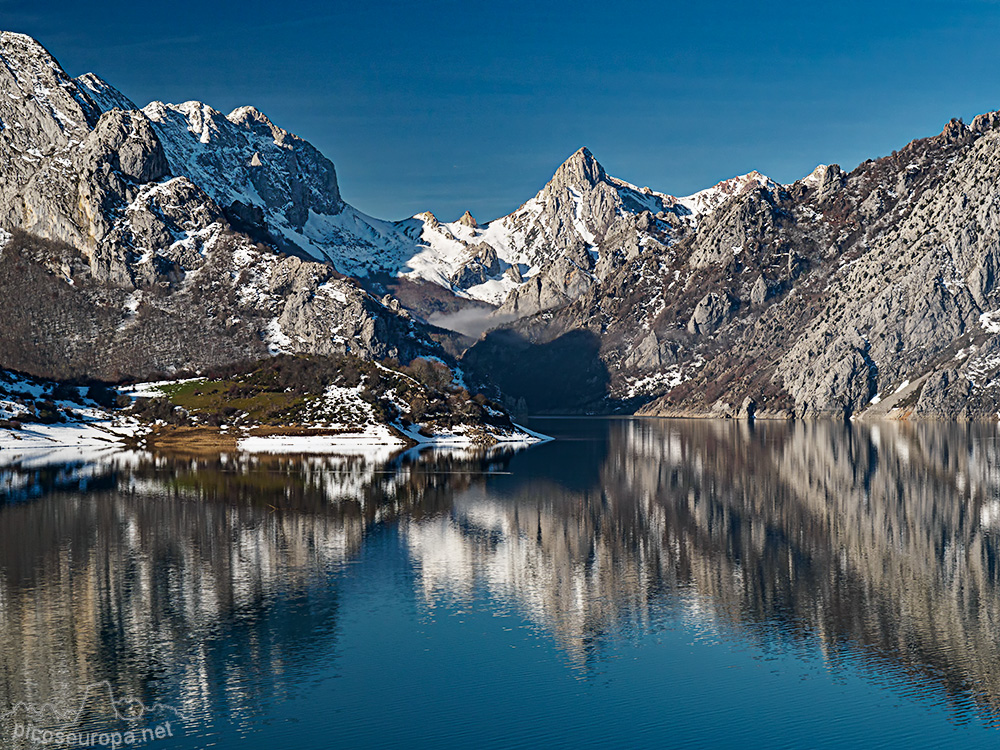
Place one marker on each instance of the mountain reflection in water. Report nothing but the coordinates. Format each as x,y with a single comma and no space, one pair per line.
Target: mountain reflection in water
215,584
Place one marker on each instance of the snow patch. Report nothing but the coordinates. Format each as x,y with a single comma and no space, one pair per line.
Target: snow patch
990,321
276,339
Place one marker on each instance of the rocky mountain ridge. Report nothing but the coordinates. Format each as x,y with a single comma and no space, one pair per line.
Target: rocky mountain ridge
872,292
174,236
121,263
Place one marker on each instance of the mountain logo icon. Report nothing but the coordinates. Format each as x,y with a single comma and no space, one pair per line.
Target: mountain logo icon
98,718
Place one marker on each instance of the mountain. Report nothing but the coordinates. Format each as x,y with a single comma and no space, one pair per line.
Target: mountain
547,251
130,251
172,236
872,293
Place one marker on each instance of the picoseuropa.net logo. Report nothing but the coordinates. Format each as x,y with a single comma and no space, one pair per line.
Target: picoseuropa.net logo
97,720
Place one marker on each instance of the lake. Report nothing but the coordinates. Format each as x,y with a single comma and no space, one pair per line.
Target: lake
634,583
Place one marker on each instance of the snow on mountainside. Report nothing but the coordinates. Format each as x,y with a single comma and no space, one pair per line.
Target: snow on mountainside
278,183
247,164
573,212
705,201
105,96
865,293
837,294
154,265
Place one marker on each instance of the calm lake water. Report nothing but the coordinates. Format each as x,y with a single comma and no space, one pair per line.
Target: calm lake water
635,583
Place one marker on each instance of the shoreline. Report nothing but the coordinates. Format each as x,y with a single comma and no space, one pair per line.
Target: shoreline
75,440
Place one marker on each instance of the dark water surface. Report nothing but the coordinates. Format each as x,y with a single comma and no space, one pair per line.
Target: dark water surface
636,583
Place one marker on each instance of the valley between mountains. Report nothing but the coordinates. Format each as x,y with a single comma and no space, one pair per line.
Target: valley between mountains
168,242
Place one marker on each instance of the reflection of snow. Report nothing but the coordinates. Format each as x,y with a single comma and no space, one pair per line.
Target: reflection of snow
989,514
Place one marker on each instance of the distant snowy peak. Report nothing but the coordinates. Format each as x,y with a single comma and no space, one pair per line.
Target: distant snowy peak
570,215
582,173
705,201
103,94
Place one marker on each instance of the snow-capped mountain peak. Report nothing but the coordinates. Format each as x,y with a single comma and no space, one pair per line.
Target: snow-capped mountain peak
244,161
581,170
706,201
38,94
567,219
103,94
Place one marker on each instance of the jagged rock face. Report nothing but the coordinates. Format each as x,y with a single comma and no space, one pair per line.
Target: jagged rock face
70,171
125,142
45,118
740,227
150,256
43,107
918,292
589,225
708,314
104,96
243,157
480,268
578,230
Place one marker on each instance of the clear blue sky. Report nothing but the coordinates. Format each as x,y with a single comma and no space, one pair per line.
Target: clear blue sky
447,106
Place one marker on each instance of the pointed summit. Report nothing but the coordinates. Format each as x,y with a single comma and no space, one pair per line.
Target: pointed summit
468,220
48,106
581,170
103,94
429,219
253,119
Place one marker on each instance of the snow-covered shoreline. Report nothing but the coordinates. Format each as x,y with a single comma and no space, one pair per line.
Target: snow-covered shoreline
44,418
78,441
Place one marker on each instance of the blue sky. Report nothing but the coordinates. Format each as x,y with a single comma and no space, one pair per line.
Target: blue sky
448,106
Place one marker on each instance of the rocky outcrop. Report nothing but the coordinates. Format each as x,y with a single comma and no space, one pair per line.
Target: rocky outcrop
243,154
483,265
708,314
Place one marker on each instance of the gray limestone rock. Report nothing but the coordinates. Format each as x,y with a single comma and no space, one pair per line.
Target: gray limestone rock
944,394
124,142
708,314
167,282
482,265
759,292
830,179
735,232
